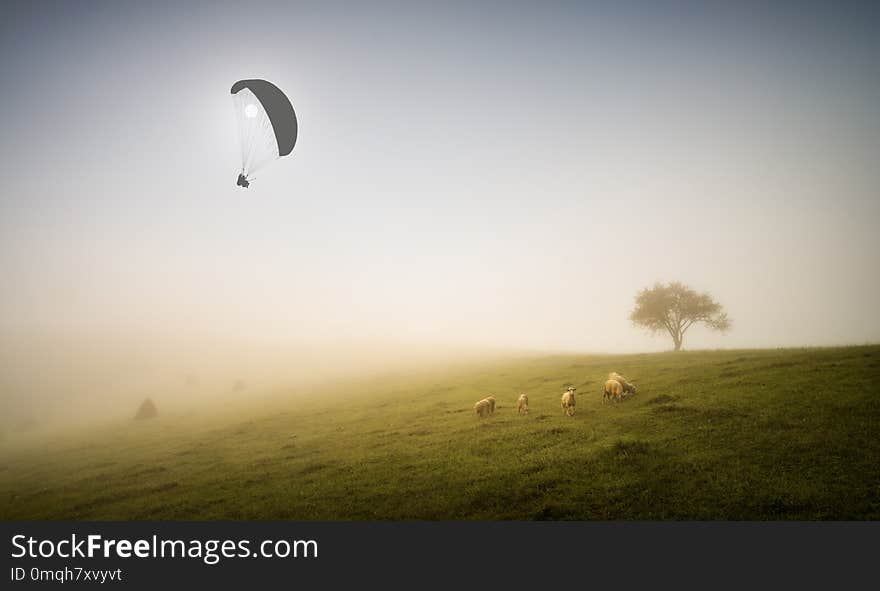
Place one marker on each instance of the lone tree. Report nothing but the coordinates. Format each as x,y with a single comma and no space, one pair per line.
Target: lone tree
147,410
675,308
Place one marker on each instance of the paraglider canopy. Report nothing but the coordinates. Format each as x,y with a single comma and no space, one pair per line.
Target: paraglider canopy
266,124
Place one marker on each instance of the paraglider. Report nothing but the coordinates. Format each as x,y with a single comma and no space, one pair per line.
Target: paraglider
266,125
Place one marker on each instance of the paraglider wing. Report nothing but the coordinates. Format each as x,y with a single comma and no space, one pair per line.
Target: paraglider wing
266,123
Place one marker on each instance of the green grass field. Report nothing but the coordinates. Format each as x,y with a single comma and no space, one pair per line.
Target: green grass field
764,434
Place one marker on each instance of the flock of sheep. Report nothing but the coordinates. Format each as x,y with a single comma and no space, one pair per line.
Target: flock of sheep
616,388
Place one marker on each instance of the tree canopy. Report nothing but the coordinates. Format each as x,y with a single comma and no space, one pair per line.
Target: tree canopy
674,308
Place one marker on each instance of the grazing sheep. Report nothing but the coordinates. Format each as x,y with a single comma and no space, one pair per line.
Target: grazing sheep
522,404
568,402
491,400
613,390
483,408
628,388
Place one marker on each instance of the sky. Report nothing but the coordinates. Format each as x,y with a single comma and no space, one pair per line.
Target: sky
479,174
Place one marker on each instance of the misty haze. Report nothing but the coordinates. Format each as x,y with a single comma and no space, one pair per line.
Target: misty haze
477,197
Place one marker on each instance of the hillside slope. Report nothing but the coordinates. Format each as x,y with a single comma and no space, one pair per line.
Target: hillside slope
775,434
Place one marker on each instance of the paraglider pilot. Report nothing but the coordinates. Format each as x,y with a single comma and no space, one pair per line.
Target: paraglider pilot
242,181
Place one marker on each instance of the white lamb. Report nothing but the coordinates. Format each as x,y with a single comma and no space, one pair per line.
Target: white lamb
568,402
522,404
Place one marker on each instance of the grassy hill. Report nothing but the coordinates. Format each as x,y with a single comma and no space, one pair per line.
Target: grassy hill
770,434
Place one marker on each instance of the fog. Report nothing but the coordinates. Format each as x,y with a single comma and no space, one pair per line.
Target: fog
467,180
63,378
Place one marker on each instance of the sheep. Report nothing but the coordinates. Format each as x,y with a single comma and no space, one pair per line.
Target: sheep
482,408
613,389
491,400
628,388
568,402
522,404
